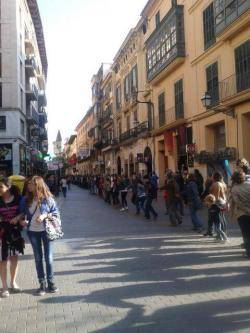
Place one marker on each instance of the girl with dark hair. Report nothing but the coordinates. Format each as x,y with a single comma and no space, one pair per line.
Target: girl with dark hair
38,204
11,241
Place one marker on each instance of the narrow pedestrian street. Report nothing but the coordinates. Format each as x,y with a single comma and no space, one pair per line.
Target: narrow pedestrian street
120,273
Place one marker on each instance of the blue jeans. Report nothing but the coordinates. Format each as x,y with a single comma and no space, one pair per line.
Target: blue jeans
149,208
140,204
37,240
197,223
64,191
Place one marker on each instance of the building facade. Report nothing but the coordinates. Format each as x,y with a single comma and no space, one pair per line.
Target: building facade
23,63
178,93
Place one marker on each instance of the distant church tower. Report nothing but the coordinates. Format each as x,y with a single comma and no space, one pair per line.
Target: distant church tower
58,145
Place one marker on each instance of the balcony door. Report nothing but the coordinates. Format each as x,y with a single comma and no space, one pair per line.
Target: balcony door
242,66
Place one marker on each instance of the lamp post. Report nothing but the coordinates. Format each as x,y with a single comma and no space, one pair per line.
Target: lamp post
206,101
151,104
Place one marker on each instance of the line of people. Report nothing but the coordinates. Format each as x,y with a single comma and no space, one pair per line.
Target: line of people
182,190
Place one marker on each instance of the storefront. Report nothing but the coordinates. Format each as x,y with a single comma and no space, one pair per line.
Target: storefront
6,159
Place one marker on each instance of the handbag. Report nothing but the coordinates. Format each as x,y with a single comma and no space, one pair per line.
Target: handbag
53,228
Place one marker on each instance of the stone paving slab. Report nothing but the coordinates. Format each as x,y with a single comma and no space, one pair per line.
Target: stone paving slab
118,273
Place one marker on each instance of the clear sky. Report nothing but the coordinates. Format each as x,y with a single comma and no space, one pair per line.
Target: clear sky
80,35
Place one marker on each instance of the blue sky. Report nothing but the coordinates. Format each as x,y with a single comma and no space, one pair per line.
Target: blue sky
80,35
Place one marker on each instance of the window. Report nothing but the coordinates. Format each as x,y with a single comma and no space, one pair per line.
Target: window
161,108
178,92
208,26
118,97
21,99
21,72
0,64
126,87
135,116
157,19
119,129
166,44
2,122
150,115
219,137
1,95
134,79
242,66
212,82
128,122
22,127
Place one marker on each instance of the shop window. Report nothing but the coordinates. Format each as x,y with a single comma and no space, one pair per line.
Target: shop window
208,26
213,82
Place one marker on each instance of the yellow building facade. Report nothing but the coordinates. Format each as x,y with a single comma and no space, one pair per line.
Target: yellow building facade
193,47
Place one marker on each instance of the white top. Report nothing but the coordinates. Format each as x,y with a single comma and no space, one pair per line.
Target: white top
35,226
63,182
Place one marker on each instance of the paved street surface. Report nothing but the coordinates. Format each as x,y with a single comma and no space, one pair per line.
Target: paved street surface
120,273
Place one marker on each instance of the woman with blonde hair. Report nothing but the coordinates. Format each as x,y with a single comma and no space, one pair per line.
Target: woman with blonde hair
38,204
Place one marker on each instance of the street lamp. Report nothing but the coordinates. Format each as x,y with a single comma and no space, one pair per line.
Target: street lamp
206,100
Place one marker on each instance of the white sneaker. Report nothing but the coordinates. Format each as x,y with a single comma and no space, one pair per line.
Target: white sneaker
122,210
5,294
126,208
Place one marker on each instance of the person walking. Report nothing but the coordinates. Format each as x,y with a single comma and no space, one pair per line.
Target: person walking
150,196
199,181
11,241
215,216
194,203
64,186
123,186
38,204
219,190
240,206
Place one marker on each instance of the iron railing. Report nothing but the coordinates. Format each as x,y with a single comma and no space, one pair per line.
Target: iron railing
134,132
233,85
171,115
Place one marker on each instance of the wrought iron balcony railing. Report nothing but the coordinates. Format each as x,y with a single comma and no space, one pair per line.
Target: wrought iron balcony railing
134,132
234,84
170,116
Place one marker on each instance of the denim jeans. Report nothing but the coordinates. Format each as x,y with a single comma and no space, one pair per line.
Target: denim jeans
124,199
219,231
140,204
39,244
148,208
64,191
197,223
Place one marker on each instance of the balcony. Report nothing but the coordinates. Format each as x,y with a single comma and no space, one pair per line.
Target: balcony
166,45
134,132
226,12
107,116
43,118
30,66
43,134
31,92
174,117
42,100
29,43
32,115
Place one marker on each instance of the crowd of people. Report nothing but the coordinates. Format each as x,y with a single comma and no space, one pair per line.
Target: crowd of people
181,190
223,200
